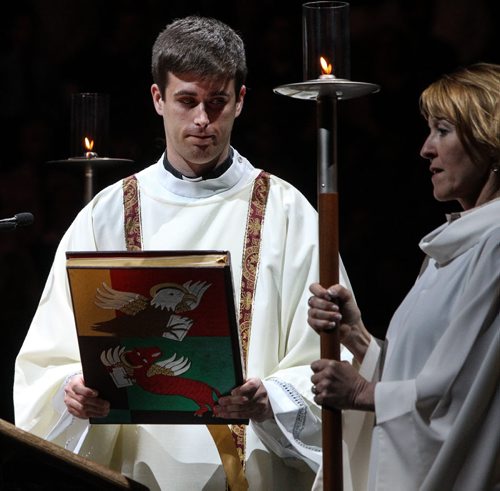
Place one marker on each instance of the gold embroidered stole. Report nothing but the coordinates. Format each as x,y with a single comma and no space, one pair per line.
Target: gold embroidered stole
249,271
132,214
230,444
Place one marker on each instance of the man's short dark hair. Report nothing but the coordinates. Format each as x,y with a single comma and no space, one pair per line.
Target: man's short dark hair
200,45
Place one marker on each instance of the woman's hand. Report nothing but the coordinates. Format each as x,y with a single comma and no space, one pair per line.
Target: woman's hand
337,384
335,308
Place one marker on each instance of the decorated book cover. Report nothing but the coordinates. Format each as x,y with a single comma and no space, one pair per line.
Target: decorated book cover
157,333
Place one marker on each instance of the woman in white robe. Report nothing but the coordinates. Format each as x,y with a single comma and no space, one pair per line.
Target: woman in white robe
437,402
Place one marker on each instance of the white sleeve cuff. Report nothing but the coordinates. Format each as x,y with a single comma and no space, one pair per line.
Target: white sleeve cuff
370,367
404,392
295,431
68,431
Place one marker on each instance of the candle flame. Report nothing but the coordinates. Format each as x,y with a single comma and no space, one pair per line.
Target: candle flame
325,66
89,144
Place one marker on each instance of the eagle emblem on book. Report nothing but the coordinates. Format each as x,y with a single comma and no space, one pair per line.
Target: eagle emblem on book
156,315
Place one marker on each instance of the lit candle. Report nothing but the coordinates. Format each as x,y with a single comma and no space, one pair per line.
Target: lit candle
89,145
326,68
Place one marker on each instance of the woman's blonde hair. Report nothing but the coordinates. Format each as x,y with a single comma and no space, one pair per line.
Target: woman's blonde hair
469,98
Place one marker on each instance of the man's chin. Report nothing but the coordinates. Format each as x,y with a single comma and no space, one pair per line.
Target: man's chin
204,156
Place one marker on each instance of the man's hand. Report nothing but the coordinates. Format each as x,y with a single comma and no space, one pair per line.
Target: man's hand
337,384
249,400
83,402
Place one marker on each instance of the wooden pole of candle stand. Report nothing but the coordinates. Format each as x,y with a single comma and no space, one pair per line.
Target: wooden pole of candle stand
329,275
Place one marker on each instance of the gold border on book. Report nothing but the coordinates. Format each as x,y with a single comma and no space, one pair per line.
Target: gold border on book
151,262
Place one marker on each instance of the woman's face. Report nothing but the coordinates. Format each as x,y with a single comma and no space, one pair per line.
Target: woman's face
454,175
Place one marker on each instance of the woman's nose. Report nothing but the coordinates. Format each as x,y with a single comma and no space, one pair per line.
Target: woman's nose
427,151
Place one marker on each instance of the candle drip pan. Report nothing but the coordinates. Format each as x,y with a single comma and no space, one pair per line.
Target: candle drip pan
339,88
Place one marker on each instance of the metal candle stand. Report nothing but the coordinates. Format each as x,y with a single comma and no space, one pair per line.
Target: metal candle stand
326,90
89,130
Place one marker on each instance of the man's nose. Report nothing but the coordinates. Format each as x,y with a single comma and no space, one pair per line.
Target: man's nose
201,117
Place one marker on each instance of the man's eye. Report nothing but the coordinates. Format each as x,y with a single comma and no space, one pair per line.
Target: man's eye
186,101
217,102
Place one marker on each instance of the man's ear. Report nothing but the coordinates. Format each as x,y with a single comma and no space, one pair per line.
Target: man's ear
157,99
240,99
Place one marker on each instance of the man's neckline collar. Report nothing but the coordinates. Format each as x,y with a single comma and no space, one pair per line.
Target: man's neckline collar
213,174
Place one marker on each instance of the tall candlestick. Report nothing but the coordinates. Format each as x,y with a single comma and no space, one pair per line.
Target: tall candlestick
326,72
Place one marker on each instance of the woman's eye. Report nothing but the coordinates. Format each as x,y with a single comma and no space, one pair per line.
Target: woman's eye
442,131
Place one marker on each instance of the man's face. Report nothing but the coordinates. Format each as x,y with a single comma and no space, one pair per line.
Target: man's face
198,117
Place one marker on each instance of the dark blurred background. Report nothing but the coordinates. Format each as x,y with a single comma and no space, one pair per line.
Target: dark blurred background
50,49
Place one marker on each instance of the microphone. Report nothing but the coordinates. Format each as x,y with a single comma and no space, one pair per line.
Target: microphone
18,220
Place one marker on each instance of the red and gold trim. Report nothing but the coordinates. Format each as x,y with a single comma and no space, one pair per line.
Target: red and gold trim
132,214
249,271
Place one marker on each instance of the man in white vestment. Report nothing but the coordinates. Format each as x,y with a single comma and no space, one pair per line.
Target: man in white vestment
200,195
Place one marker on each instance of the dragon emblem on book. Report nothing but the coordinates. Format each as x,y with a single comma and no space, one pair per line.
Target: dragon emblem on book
139,366
156,315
